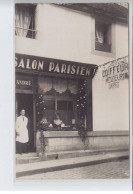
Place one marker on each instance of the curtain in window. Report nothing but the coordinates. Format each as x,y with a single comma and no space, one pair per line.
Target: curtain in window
22,20
60,85
100,34
73,86
45,84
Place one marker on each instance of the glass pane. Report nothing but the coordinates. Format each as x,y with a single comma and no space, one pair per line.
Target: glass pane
61,105
64,105
49,104
49,114
70,105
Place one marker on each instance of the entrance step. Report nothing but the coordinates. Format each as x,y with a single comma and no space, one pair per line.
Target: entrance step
27,158
30,154
24,170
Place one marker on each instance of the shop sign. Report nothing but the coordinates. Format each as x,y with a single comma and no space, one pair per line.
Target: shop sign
115,71
24,83
48,65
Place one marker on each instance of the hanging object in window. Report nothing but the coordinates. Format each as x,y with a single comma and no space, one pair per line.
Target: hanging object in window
102,38
99,35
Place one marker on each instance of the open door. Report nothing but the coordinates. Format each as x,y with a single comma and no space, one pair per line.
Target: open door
25,101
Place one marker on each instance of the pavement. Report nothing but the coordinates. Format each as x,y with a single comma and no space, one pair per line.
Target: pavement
23,170
109,170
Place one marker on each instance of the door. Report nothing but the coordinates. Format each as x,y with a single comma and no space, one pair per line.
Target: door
25,101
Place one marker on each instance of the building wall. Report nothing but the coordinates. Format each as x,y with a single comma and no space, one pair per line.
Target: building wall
111,106
57,141
67,34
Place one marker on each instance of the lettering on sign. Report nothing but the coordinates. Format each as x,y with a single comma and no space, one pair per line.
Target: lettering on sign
47,65
24,83
115,71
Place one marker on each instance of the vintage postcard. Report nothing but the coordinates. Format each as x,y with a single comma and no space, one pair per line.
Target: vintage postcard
72,91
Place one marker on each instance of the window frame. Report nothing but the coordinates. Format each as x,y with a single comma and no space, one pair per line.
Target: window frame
62,98
112,35
89,114
106,45
31,30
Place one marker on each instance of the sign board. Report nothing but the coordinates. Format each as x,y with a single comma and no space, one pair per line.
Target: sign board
24,83
47,65
115,71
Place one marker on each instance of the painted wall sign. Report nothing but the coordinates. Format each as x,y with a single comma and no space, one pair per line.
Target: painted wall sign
48,65
23,83
115,71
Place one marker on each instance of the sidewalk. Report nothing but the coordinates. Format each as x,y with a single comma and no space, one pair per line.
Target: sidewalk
110,170
61,164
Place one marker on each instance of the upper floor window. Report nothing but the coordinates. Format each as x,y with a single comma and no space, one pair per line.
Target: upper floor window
102,36
24,21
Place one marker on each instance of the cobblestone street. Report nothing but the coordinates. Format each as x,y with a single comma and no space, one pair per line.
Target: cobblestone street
110,170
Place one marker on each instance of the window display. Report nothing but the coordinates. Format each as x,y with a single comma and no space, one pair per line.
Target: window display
60,101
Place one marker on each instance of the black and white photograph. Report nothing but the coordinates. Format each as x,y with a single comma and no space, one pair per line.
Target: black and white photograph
72,91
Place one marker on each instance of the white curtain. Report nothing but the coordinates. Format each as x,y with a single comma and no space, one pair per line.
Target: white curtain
45,84
60,85
73,86
22,20
100,35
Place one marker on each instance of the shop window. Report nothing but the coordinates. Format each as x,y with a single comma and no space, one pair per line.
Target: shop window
25,21
60,97
102,36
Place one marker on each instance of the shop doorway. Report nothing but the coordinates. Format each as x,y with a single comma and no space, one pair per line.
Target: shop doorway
25,101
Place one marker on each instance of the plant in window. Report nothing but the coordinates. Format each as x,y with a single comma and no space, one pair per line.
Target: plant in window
43,124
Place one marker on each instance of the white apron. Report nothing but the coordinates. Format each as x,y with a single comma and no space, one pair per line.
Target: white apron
21,128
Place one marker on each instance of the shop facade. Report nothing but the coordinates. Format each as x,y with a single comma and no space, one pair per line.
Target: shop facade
66,66
63,87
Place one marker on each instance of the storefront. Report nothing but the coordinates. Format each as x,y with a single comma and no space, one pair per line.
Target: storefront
45,87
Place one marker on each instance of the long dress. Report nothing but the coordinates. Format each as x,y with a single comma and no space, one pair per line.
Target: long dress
22,136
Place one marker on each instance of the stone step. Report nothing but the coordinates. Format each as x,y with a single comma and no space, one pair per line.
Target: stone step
81,153
29,154
32,157
27,159
23,170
